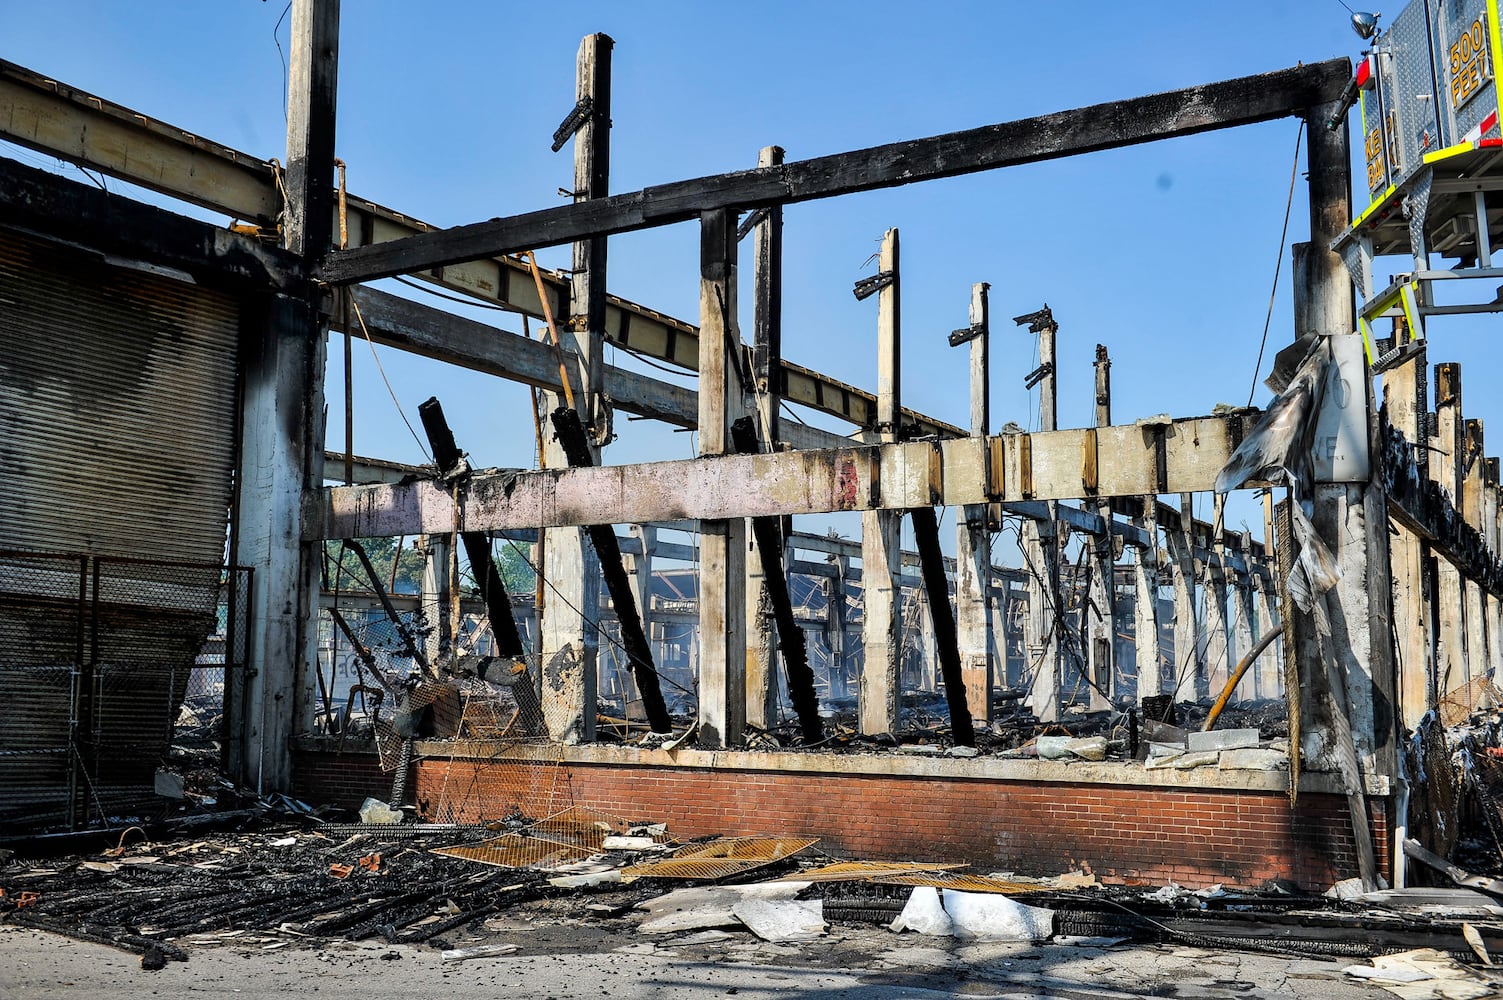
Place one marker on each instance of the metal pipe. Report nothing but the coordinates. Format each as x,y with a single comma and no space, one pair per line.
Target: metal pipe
1231,682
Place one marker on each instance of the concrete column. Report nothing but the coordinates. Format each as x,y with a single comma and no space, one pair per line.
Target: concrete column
1241,633
1041,644
438,560
282,437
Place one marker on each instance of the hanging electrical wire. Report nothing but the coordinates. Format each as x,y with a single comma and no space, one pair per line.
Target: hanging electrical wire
1278,263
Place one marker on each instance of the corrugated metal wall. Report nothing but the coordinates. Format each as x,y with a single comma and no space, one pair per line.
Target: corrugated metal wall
117,421
117,400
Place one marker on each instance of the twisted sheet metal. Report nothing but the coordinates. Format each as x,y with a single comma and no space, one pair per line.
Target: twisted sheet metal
721,858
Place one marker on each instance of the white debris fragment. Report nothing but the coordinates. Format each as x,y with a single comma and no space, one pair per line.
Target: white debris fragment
782,919
1222,739
973,915
1427,972
1254,759
479,951
610,876
628,844
708,906
924,914
378,813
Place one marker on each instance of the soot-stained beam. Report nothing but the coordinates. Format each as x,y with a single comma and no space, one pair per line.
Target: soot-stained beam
1225,104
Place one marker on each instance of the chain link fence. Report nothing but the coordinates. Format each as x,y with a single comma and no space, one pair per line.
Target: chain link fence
109,669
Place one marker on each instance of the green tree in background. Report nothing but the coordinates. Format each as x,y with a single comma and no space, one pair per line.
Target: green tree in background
346,573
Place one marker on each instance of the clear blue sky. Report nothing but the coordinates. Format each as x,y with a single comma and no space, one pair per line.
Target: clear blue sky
1164,252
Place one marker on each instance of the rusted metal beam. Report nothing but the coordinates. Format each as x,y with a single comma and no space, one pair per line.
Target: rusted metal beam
1225,104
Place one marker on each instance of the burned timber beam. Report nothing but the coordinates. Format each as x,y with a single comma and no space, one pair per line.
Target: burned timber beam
1229,103
946,639
1041,466
421,329
73,125
477,549
50,206
769,543
571,437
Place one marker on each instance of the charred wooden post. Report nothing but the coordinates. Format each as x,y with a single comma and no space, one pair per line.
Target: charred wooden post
1351,510
1146,655
1405,399
1217,633
568,616
1470,506
281,453
1189,651
880,530
1445,468
768,536
1100,632
592,174
767,370
477,549
837,679
1043,542
937,588
572,439
722,578
1240,585
973,564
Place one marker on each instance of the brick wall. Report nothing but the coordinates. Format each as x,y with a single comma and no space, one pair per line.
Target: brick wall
1195,837
338,779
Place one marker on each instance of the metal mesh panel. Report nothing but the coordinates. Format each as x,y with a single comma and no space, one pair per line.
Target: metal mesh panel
41,651
102,662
